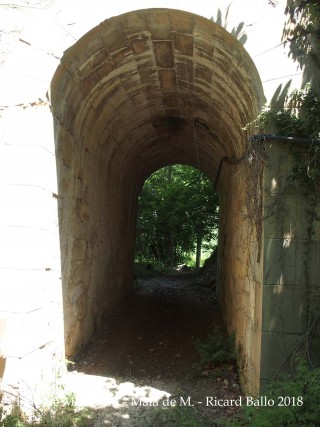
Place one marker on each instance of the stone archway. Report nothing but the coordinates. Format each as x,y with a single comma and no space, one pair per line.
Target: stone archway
140,91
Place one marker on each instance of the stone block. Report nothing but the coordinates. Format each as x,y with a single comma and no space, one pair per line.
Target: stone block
89,82
37,374
183,44
134,23
276,352
186,105
167,80
158,24
163,51
28,248
26,332
171,101
28,206
314,353
23,165
79,249
182,22
284,309
286,217
284,262
90,45
113,36
123,57
27,290
310,255
203,75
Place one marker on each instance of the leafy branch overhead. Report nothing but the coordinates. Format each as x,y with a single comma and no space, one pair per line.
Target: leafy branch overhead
297,113
302,33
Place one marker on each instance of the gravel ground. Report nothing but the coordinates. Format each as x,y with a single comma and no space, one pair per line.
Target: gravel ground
145,356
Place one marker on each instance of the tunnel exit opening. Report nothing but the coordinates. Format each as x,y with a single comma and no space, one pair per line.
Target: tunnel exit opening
131,96
178,218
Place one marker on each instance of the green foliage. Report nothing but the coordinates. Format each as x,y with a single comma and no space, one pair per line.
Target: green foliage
177,205
62,413
217,349
144,268
296,401
184,417
302,32
297,115
14,419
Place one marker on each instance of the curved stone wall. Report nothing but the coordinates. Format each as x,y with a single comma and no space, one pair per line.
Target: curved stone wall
140,91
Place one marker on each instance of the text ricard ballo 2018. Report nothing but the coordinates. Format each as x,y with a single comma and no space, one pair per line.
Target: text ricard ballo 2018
217,402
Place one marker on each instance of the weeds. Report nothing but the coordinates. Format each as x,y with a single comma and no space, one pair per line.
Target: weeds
185,417
62,413
178,417
217,349
293,401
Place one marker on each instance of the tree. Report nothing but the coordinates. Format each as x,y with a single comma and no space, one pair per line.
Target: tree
298,113
302,32
238,32
178,211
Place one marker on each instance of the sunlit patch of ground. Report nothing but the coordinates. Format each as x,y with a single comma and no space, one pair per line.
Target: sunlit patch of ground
144,359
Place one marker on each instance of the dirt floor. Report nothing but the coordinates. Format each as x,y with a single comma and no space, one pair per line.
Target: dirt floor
145,358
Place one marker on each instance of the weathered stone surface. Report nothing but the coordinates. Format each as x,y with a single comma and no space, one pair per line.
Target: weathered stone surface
140,91
158,87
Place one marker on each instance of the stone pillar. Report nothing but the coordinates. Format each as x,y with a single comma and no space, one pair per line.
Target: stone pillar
240,275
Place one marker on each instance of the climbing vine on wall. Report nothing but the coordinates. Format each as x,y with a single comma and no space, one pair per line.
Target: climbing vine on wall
306,171
254,164
299,119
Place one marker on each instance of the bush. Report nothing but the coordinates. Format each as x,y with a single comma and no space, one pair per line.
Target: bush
217,349
296,401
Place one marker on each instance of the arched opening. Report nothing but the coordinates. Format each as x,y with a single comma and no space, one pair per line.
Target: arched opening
141,91
178,219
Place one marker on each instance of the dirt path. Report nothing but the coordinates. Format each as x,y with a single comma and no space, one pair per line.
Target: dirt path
148,347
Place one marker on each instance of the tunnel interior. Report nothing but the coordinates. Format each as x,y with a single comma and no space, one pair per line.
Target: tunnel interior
139,92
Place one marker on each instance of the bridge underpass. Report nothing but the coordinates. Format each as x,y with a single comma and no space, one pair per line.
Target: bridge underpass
140,91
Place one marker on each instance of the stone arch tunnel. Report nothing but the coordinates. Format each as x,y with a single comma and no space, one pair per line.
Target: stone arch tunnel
140,91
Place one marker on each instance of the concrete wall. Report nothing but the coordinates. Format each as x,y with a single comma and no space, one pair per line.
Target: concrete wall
96,237
241,273
291,264
31,332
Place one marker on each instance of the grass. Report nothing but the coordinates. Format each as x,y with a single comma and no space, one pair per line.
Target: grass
61,413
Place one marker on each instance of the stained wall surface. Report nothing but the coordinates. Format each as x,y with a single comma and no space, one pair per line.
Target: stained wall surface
140,91
291,262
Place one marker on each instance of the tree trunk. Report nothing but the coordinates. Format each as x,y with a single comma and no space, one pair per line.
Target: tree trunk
198,253
171,251
171,248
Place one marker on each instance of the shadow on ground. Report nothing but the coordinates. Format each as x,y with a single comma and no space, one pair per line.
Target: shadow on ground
145,357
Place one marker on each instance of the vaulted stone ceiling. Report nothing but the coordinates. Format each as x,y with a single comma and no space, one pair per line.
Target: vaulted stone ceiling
157,86
138,92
